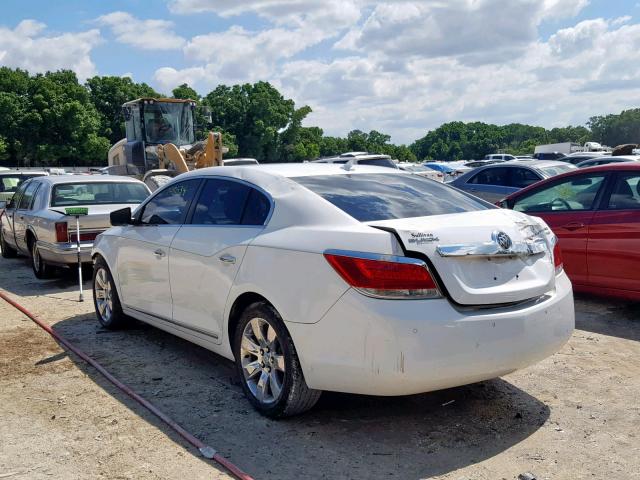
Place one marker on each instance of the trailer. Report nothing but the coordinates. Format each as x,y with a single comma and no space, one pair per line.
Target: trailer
565,147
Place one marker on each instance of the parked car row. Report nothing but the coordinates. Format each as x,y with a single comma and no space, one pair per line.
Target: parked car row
341,276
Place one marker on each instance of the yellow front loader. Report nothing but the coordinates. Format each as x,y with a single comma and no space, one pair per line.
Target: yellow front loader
161,142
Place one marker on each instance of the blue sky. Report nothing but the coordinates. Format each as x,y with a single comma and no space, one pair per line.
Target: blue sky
401,67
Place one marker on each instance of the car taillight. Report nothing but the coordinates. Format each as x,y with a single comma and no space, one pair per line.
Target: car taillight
61,232
557,258
84,236
384,276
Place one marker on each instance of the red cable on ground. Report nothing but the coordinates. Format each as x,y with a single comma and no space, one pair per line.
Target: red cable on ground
205,450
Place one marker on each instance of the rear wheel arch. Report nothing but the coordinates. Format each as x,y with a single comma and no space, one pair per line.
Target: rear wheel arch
114,274
240,305
30,237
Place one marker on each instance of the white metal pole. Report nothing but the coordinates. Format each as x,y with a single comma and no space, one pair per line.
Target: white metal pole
79,261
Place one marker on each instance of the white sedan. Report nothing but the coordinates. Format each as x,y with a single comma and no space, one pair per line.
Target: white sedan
336,277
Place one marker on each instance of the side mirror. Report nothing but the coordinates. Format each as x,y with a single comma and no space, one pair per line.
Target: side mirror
121,217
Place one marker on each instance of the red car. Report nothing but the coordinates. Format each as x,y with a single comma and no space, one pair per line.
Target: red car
595,212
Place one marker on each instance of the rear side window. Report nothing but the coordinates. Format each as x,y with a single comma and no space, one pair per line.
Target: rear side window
370,197
27,198
170,205
257,209
225,202
626,193
491,176
523,177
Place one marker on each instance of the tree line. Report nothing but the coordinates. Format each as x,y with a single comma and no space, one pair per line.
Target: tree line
52,119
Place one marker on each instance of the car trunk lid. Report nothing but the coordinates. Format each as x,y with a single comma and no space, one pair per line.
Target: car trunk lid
95,222
484,257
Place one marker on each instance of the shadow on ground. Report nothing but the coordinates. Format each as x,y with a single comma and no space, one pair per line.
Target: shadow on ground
24,283
616,318
345,436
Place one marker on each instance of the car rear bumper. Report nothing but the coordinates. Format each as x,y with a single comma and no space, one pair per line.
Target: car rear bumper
399,347
64,253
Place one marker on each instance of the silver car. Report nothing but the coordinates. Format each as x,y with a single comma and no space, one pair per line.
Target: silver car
496,181
35,223
10,180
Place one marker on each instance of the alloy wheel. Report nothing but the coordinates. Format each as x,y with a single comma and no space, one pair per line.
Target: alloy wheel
263,361
104,294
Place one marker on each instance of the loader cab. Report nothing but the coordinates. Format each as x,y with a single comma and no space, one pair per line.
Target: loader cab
155,121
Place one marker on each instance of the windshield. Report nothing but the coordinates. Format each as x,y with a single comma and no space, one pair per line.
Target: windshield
557,169
169,123
10,183
368,197
97,193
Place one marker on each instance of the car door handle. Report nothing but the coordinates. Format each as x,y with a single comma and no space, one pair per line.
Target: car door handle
226,258
159,253
573,226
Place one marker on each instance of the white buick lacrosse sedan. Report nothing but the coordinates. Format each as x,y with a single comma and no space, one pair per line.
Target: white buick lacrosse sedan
347,278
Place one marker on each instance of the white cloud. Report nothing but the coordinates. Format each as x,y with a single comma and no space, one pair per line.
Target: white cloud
321,13
27,46
404,67
142,34
167,78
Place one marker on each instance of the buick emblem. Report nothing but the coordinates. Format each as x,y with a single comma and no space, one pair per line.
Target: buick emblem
502,239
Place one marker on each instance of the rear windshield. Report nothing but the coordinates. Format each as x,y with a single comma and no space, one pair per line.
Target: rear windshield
374,196
97,193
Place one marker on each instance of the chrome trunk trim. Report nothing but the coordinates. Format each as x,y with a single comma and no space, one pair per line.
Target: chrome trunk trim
493,249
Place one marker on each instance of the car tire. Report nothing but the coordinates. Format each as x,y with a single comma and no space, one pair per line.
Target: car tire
7,251
41,269
105,298
268,366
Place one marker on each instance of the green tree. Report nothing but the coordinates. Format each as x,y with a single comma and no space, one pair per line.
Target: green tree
185,92
618,129
255,114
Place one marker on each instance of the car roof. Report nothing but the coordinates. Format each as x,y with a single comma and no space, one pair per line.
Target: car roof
62,179
621,166
355,158
627,157
289,170
4,173
535,163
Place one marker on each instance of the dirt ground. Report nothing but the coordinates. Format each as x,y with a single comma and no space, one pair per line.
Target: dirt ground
573,416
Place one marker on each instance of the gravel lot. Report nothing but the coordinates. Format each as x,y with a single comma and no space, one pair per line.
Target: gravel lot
573,416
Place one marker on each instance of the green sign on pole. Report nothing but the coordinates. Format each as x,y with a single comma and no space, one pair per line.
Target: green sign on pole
76,211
